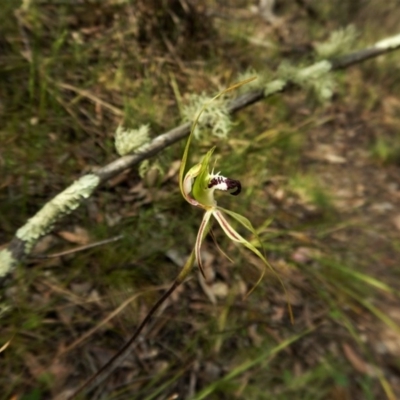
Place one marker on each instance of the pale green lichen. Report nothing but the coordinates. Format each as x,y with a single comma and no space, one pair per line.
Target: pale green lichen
324,87
389,43
274,87
315,77
62,204
129,141
7,262
339,42
151,173
304,75
215,117
145,167
258,83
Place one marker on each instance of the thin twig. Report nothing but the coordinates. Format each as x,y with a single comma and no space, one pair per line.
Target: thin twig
77,249
92,97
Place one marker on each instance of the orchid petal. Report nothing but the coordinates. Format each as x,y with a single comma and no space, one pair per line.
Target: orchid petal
241,219
200,189
231,233
188,183
203,230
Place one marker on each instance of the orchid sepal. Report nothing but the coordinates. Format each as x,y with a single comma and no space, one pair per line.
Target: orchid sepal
187,184
249,226
201,191
202,233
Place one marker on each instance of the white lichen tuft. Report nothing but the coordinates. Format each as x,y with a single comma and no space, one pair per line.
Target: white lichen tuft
314,71
315,77
62,204
324,87
257,83
274,87
131,140
214,117
7,262
143,168
151,173
339,42
389,43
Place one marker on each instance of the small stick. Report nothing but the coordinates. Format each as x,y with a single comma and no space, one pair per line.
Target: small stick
76,249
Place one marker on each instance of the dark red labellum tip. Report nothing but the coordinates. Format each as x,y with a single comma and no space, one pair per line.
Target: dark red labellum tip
234,185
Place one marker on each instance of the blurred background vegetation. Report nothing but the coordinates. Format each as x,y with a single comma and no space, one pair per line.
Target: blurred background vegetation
320,183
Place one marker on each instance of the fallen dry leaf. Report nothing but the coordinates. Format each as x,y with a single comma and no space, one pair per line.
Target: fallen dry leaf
78,235
5,345
303,255
60,372
325,152
34,366
172,171
396,221
45,244
358,363
220,289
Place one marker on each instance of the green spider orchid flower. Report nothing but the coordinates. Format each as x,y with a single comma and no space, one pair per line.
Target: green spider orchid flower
197,186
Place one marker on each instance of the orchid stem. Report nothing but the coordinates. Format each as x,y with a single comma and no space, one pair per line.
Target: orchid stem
107,369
